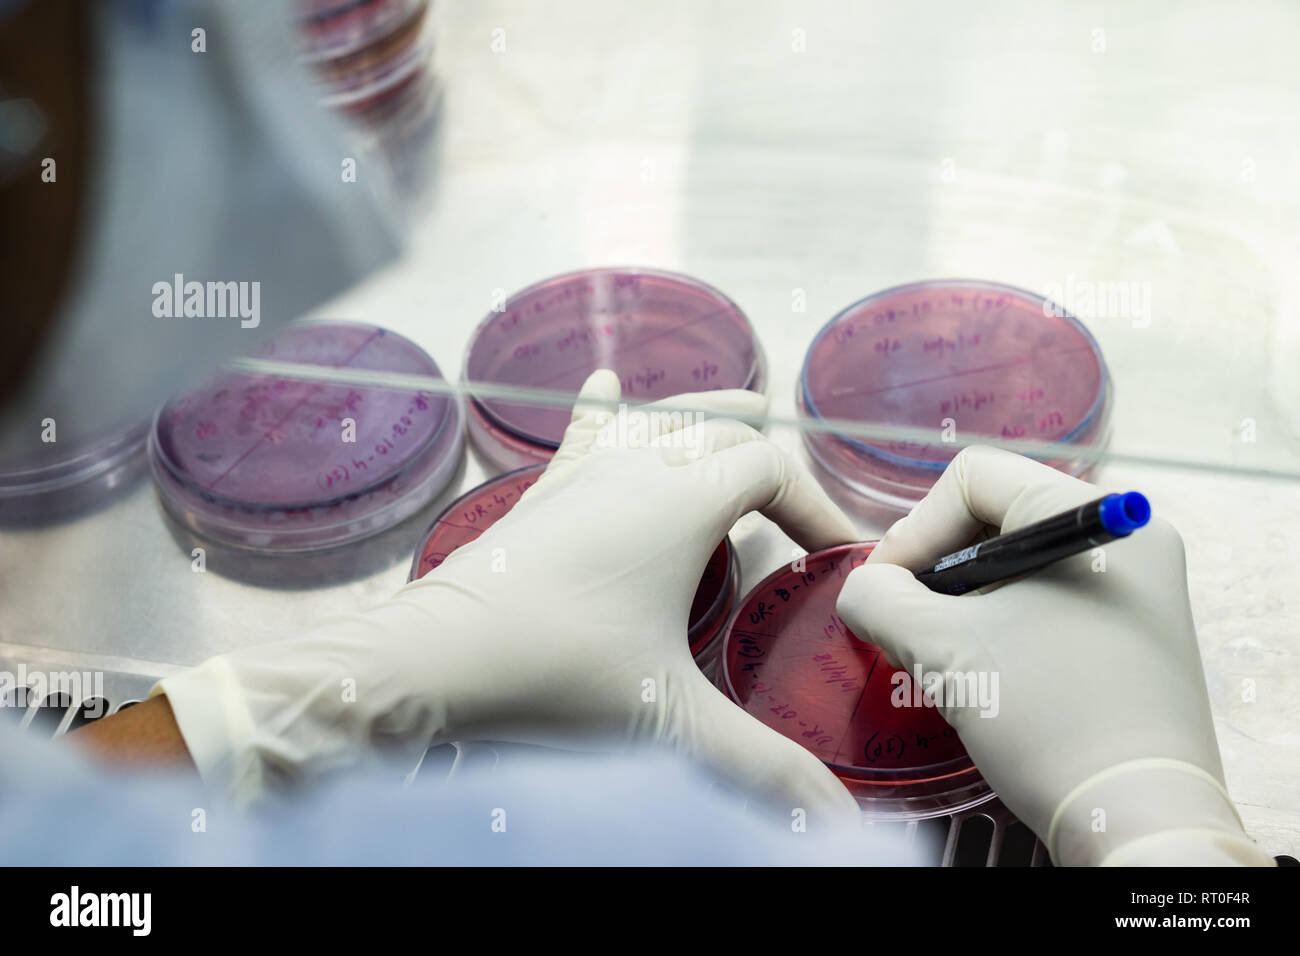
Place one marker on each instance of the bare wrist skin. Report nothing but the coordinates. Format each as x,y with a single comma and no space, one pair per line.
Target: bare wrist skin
142,736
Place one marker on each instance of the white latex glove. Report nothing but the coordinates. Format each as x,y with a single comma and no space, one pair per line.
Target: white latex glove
1102,741
563,624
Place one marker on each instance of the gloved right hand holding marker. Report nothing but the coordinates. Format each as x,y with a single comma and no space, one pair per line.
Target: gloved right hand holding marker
1103,741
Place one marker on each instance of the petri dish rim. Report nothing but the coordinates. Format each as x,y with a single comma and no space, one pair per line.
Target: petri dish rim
230,524
91,460
882,779
726,304
505,451
175,469
726,596
401,69
319,26
1087,421
236,524
454,505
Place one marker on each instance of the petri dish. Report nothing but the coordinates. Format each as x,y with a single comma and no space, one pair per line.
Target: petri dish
662,333
360,80
70,477
288,465
398,125
788,660
372,63
989,360
335,29
480,508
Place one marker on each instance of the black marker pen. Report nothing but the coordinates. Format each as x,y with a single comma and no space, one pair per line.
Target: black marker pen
1038,544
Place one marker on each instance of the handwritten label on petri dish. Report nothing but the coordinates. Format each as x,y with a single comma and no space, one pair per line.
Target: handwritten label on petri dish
661,334
791,662
472,514
287,443
402,432
990,361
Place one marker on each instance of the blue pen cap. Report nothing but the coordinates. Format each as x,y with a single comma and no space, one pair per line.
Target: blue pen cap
1123,514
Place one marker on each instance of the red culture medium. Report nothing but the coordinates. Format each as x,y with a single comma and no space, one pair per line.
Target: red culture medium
789,660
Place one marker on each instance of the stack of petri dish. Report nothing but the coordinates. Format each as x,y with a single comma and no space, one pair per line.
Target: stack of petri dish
372,60
68,477
478,509
663,334
788,660
280,465
960,359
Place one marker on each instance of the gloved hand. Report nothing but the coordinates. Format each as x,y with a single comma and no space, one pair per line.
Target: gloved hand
563,624
1102,740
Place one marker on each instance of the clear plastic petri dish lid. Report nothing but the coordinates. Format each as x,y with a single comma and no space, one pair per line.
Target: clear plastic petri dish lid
480,508
662,333
66,477
290,465
981,359
788,660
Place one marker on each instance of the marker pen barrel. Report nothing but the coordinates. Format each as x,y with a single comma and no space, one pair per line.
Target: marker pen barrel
1039,544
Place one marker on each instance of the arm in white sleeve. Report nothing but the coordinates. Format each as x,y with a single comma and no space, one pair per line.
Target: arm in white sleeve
577,640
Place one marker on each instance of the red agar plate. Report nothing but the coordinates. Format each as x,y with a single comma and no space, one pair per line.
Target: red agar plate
789,661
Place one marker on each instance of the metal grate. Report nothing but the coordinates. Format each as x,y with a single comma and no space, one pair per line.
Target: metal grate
57,712
987,836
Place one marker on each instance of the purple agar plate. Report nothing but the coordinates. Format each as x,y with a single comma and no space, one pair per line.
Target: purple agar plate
480,508
989,360
662,333
291,465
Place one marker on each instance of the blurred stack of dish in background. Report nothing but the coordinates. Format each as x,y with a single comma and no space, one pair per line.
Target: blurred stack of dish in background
373,61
